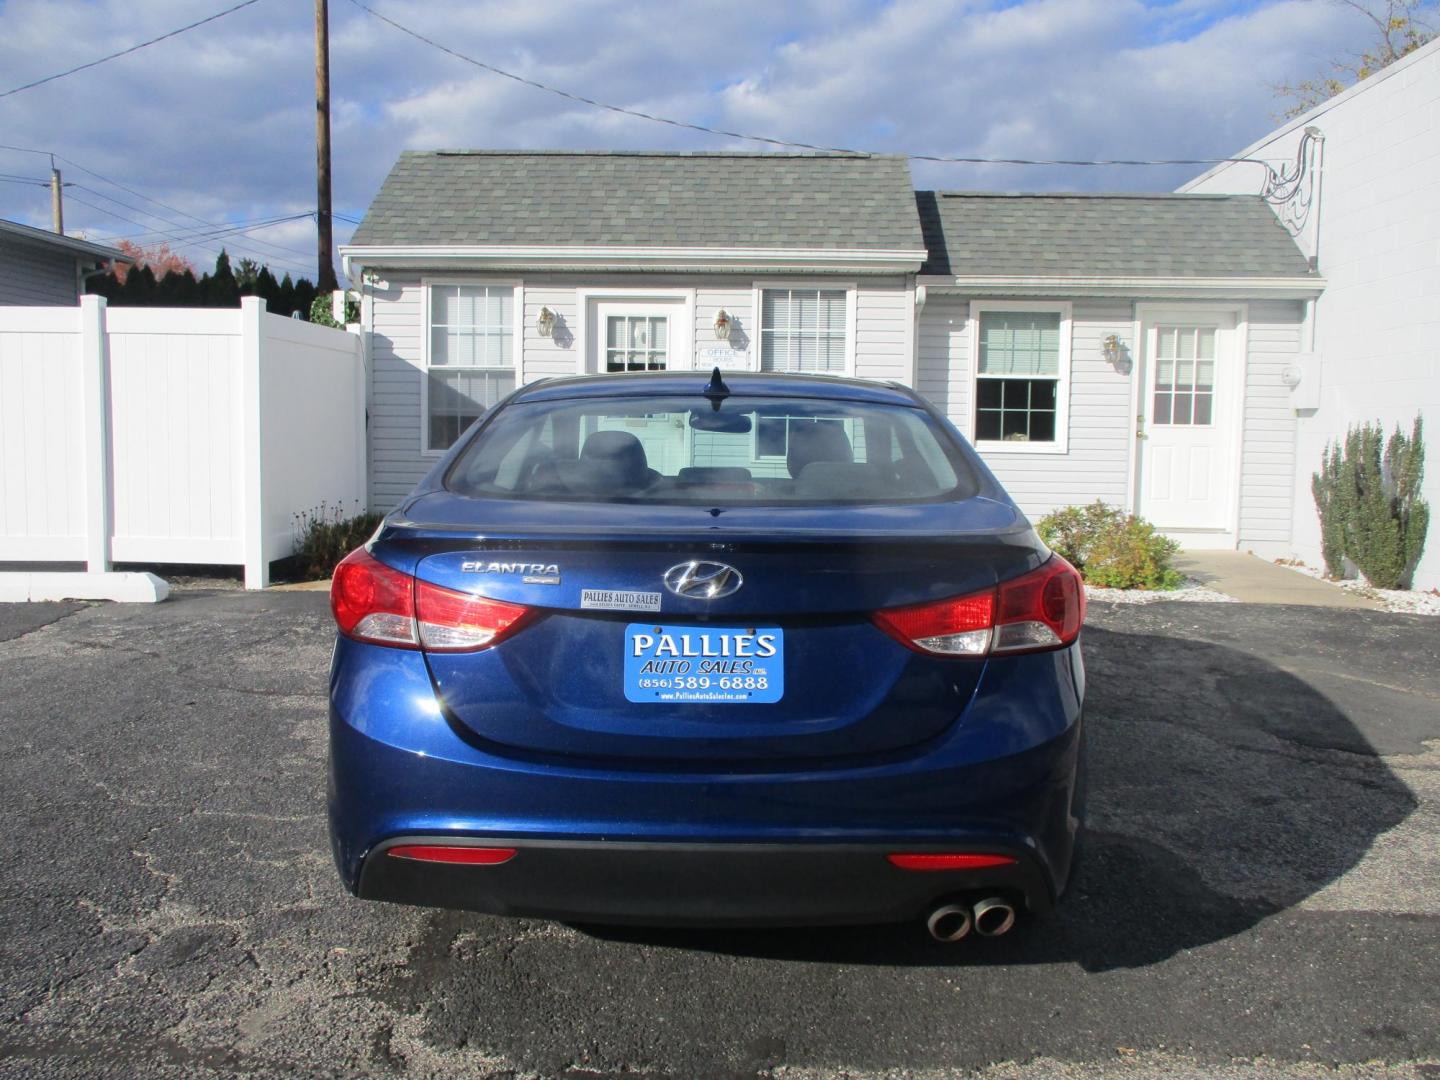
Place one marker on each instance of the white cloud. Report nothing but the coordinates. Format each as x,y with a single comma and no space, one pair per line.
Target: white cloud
220,122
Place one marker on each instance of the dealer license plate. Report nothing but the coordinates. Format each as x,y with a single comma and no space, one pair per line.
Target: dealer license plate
703,664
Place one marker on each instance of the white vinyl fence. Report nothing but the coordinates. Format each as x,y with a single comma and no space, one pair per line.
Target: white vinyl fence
173,435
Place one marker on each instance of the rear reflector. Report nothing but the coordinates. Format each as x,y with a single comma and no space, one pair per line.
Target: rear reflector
1036,611
384,606
455,854
949,861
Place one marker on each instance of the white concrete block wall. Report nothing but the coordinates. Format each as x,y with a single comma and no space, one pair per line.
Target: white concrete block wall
1377,325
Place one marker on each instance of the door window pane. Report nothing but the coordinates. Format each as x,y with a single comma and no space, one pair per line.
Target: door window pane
637,342
1184,390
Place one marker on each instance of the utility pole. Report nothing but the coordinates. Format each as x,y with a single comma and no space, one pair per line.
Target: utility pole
57,205
325,281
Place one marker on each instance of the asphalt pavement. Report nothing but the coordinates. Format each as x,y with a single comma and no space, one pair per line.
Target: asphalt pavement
1259,890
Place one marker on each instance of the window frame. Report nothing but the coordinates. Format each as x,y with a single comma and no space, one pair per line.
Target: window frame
1061,443
757,307
517,335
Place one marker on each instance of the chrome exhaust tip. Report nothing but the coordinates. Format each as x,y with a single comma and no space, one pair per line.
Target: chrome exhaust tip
993,916
949,922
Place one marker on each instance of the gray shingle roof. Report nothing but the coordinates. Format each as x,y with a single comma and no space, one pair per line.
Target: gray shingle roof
976,233
746,200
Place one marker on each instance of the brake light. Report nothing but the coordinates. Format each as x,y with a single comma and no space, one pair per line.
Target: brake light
379,604
1043,609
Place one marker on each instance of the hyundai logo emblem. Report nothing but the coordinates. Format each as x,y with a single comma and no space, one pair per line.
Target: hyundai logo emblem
703,580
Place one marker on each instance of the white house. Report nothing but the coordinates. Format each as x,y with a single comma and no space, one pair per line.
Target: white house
1129,348
1363,193
45,268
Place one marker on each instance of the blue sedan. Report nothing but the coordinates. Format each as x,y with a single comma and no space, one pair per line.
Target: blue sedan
762,649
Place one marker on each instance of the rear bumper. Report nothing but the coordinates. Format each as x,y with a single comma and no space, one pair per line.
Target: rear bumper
619,841
692,884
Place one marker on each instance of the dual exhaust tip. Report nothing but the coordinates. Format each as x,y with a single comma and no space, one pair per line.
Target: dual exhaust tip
990,917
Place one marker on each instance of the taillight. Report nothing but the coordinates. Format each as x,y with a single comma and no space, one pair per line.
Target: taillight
376,603
373,602
1039,610
460,622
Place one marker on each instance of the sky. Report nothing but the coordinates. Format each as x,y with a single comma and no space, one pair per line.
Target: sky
218,124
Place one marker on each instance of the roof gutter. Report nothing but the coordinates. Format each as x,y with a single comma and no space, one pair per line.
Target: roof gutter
1223,288
354,257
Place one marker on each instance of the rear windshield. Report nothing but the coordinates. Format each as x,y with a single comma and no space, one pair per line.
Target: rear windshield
751,452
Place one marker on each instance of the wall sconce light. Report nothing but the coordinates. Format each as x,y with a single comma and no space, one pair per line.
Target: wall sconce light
545,324
1113,350
1110,349
722,325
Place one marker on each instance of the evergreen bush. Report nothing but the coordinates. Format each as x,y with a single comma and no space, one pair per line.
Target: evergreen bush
1367,493
1110,548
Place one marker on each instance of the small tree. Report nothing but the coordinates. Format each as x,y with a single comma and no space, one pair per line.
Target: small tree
1367,493
1399,28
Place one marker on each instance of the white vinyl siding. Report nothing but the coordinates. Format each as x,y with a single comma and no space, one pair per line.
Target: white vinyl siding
1100,426
803,330
31,275
879,344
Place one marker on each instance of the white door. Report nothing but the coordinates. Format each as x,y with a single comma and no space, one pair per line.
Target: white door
1186,424
643,337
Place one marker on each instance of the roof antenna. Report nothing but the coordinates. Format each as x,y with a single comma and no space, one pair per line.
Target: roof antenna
716,390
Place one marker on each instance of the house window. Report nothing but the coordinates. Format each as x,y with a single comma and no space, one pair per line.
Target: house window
471,361
772,433
802,329
1019,376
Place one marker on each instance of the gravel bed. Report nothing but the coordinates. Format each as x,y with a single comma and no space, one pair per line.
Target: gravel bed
1192,591
1404,601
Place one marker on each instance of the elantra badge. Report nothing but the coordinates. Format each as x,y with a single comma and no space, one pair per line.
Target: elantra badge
530,573
699,580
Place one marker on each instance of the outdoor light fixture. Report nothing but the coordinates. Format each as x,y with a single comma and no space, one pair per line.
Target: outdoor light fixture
722,325
1113,350
545,324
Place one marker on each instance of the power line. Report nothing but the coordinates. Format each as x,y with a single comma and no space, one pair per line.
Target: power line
638,114
131,49
216,229
263,248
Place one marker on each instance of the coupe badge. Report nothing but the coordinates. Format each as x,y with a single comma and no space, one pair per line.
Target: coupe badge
703,580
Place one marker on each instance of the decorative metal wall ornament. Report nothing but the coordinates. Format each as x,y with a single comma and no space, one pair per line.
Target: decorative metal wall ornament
1292,188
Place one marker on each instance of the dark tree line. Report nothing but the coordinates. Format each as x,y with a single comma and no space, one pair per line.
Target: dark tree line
221,288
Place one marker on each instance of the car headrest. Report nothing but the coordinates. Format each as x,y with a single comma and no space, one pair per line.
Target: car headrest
615,459
809,443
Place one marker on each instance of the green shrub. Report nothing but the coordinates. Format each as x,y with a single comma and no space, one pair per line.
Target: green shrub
1367,493
325,536
1110,548
321,313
